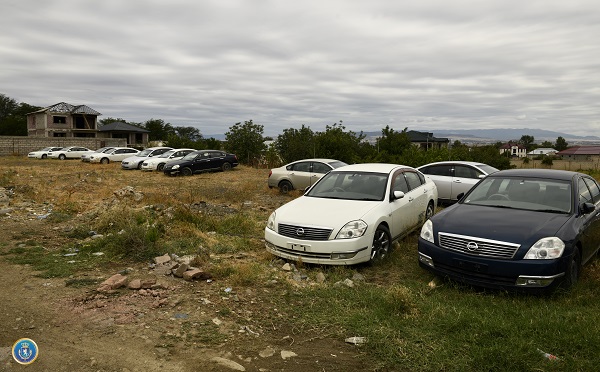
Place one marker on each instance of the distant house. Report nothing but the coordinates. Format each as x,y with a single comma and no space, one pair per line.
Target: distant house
514,150
541,152
580,153
117,129
64,120
426,140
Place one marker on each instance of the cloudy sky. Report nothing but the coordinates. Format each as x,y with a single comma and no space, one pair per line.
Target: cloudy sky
425,65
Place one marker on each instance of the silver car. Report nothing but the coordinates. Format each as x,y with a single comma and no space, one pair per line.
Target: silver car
135,162
301,174
455,177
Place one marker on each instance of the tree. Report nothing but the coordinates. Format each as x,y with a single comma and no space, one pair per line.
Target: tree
392,144
159,130
295,144
561,144
246,141
13,116
527,141
546,144
335,143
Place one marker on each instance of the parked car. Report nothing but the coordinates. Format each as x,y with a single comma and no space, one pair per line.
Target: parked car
86,157
455,177
201,161
158,162
352,214
43,153
71,152
518,228
301,174
113,155
136,161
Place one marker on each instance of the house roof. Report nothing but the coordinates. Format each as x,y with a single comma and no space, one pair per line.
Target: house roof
66,108
119,126
581,150
416,136
541,151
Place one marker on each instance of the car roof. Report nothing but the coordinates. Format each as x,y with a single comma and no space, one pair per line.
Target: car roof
370,167
453,162
323,160
538,173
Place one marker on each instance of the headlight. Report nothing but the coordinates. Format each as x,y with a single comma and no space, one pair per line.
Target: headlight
352,229
427,231
176,166
546,249
271,222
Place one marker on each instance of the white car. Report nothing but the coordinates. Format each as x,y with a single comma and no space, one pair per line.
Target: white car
135,162
158,162
71,152
301,174
86,157
115,154
455,177
352,214
43,153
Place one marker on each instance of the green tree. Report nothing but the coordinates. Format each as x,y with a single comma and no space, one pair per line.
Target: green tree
159,130
561,144
295,144
336,143
109,120
546,144
246,141
13,116
392,144
527,141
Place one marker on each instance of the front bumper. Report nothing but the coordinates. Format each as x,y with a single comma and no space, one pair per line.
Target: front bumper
491,273
327,252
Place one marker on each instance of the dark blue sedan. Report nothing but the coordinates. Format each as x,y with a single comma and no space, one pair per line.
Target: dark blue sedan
518,228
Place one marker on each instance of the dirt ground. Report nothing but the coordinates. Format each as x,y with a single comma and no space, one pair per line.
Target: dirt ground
172,327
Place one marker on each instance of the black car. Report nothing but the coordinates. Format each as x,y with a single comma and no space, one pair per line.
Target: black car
201,161
518,228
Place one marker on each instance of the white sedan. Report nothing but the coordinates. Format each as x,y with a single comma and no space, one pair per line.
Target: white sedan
86,157
71,152
158,163
351,215
116,154
43,153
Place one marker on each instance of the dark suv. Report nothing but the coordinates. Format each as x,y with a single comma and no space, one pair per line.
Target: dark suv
201,161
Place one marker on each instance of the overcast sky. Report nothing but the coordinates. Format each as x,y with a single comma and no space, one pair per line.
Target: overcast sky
425,65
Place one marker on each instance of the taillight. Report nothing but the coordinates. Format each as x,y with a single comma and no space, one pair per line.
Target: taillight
270,173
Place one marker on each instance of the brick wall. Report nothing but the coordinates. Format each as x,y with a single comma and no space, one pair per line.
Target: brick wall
21,145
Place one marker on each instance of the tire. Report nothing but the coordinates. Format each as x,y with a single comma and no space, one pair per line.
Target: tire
226,167
574,269
160,167
44,156
186,171
62,157
139,166
429,211
104,161
285,187
382,244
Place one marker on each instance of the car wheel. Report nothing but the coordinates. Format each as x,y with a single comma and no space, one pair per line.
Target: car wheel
62,157
44,156
226,166
285,187
160,167
104,161
573,270
186,172
139,166
382,244
429,211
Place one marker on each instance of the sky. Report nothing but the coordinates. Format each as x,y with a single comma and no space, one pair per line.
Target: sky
422,65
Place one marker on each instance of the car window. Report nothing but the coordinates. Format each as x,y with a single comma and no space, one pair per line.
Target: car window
300,167
400,183
584,193
413,180
320,168
593,186
466,172
438,170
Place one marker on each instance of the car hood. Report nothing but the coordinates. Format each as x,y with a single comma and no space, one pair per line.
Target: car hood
334,213
503,224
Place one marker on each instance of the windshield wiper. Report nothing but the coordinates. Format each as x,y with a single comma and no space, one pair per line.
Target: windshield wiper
551,211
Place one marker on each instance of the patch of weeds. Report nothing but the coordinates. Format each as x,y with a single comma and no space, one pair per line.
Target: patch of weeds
135,242
244,274
81,282
59,216
7,177
79,232
224,312
206,334
49,265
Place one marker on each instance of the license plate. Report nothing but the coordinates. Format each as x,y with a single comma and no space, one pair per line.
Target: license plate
471,266
298,247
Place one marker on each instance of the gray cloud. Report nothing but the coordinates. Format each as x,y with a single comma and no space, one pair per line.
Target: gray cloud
209,64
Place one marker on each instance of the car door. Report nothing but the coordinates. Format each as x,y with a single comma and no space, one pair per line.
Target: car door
202,162
589,192
464,178
318,170
441,174
299,174
404,211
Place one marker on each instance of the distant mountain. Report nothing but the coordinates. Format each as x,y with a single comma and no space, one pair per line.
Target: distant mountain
507,134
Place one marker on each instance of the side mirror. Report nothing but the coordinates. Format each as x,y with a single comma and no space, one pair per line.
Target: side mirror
587,208
481,176
398,195
460,196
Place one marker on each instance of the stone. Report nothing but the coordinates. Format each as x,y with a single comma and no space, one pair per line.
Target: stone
114,282
181,268
285,354
135,284
162,259
320,278
196,274
268,352
228,364
358,277
286,267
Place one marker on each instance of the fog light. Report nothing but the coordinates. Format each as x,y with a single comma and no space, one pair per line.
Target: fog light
426,259
343,255
535,281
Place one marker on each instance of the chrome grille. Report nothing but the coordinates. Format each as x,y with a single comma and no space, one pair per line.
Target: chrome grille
304,232
478,246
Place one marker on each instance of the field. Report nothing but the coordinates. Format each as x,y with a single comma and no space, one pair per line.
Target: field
69,226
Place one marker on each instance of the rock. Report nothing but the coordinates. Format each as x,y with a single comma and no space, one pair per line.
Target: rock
358,277
114,282
268,352
348,283
162,259
217,321
181,268
135,284
196,274
286,267
163,269
320,278
287,354
228,364
5,211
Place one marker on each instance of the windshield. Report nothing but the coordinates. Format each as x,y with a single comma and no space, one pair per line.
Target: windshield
167,154
337,164
535,194
351,186
191,155
487,169
144,153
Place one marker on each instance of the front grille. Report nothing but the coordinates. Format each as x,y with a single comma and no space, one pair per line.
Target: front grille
477,246
304,232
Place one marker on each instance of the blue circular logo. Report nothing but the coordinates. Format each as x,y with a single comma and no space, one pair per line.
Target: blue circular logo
25,351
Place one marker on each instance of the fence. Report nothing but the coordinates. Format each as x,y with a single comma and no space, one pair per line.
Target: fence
17,145
570,165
